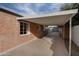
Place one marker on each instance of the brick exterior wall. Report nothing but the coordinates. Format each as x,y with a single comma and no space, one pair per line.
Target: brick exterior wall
66,32
36,30
10,32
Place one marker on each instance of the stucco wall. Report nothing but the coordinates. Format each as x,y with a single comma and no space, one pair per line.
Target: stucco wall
75,35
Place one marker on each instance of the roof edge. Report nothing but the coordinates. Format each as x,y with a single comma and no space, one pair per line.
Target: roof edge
73,11
10,12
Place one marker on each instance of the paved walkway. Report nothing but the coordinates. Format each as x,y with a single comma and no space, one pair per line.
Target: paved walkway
47,46
38,47
59,46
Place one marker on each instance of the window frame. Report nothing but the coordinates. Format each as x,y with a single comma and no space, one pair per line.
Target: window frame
27,28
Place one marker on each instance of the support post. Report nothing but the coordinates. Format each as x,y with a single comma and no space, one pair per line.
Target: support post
70,35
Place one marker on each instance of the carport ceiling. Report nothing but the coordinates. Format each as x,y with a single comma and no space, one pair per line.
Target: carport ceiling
57,18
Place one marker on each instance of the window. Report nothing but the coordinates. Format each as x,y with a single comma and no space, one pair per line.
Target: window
23,27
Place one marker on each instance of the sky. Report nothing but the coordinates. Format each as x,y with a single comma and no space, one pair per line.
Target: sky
25,9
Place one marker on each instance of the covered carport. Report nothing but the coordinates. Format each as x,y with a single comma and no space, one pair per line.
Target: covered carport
58,18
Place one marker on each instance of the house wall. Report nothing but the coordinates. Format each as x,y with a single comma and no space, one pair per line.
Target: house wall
10,32
36,30
66,33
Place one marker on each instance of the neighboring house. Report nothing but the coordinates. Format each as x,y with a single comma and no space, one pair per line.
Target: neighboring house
14,32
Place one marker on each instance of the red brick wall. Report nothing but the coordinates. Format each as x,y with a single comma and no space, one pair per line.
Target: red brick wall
35,30
10,32
66,32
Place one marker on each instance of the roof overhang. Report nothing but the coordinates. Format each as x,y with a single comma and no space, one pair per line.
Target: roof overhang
10,12
57,18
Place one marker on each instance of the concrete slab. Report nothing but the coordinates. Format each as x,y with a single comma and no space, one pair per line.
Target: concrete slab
47,46
38,47
58,44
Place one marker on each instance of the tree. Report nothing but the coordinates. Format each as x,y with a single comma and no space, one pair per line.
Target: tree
68,6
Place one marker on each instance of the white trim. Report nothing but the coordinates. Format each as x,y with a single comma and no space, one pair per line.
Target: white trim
70,27
69,18
28,33
74,11
28,28
70,34
16,47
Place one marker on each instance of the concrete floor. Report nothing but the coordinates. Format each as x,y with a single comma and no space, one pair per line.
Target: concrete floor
50,45
59,45
37,47
74,49
60,49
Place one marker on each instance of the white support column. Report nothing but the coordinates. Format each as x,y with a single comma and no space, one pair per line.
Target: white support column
70,35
